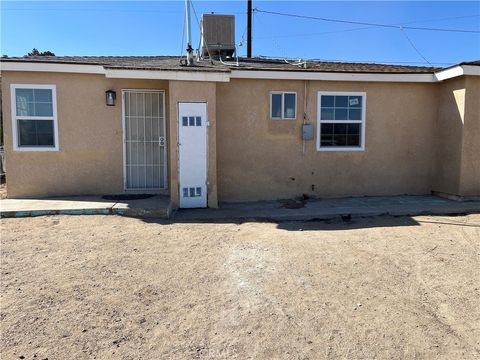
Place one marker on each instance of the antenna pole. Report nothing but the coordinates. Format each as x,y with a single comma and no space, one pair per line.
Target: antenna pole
249,28
189,33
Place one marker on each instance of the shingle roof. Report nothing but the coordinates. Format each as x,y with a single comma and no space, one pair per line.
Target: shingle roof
259,63
477,63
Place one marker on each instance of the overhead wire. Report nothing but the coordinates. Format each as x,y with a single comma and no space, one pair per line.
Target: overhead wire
363,28
369,25
413,46
392,26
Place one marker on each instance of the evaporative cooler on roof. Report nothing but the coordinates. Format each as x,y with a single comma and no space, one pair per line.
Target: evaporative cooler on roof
218,35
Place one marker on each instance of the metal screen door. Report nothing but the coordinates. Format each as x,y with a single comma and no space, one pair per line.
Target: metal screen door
145,156
192,154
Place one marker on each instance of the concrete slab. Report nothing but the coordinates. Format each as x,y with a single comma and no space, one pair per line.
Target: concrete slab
153,207
159,207
331,208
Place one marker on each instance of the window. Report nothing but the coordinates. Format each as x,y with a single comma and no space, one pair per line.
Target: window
283,105
191,121
341,121
192,192
34,118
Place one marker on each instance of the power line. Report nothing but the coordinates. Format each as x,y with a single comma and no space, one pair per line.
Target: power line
361,28
109,10
365,23
413,46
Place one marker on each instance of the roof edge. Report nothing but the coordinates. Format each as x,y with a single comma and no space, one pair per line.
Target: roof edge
224,74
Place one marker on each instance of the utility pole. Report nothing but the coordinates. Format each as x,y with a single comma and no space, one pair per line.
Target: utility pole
249,28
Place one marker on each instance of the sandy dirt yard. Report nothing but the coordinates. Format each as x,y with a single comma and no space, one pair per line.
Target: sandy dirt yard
107,287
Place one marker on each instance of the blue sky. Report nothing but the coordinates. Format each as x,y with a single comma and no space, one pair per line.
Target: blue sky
156,27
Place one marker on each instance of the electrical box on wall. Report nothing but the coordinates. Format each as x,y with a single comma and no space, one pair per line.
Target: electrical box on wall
307,132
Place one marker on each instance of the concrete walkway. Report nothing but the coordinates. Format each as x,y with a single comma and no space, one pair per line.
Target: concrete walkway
332,208
288,210
152,207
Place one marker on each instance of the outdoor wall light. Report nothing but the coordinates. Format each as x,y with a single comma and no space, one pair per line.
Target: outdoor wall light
110,97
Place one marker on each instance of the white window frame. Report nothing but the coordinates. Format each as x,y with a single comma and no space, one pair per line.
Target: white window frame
283,105
361,122
13,99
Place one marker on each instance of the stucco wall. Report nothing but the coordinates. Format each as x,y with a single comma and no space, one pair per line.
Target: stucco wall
259,158
449,136
90,159
185,91
419,137
470,167
457,133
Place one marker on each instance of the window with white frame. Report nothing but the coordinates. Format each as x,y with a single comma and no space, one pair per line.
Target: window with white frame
341,121
34,117
283,105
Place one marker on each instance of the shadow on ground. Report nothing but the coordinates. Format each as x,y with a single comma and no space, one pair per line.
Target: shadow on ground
338,223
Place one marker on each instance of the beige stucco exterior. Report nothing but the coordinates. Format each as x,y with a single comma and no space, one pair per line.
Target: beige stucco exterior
457,138
90,156
420,137
265,158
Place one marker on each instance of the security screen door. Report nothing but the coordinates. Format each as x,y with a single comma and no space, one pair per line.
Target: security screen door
145,155
192,154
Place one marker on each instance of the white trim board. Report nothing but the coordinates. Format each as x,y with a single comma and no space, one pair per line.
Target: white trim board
168,75
116,73
47,67
300,75
457,71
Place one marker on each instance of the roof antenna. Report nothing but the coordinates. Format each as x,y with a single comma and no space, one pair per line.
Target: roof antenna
249,28
189,34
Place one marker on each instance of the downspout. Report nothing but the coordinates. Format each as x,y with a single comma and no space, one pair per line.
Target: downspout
304,112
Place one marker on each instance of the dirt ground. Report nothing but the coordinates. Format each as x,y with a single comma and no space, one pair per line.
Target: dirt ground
107,287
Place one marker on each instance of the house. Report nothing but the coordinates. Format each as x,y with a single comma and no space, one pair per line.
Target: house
256,129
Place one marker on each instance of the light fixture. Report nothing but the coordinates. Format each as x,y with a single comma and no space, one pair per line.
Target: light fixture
110,97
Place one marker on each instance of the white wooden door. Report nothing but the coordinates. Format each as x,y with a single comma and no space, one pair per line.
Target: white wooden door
192,154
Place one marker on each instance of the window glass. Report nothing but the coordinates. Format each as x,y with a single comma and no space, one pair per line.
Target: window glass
35,133
199,191
327,113
198,121
43,95
276,105
354,114
328,101
191,121
43,109
34,102
341,114
184,121
341,101
340,135
289,105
